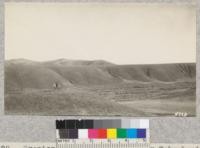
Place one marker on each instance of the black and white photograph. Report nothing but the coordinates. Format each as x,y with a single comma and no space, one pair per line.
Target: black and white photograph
100,59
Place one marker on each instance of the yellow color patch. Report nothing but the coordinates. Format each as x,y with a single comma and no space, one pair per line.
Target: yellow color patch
111,133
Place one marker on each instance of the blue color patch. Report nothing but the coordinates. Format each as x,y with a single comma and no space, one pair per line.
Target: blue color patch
131,133
141,133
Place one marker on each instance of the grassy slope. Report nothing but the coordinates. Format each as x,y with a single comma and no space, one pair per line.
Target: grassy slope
19,75
99,88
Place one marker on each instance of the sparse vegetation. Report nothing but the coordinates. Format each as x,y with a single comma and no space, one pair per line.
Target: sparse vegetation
99,88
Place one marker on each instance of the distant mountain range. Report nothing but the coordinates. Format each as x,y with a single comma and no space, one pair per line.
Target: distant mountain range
22,73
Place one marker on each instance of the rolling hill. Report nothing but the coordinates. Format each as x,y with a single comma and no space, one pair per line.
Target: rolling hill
99,88
22,73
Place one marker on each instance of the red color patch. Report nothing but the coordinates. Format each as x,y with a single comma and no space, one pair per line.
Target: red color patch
102,133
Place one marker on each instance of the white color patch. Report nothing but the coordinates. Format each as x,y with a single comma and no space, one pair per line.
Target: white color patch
144,123
82,133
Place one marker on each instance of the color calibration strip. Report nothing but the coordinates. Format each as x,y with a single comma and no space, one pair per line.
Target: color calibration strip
111,133
102,129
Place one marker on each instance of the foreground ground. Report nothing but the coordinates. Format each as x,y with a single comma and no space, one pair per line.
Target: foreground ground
122,99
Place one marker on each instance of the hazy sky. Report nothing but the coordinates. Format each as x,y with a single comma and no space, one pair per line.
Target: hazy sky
120,33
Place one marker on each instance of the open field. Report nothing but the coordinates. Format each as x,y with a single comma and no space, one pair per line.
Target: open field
99,88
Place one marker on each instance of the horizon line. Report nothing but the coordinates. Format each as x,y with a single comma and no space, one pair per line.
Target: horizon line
41,61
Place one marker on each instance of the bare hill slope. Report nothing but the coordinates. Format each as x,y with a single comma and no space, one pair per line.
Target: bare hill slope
21,73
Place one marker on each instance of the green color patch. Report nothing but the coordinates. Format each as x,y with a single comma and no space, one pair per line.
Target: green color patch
121,133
